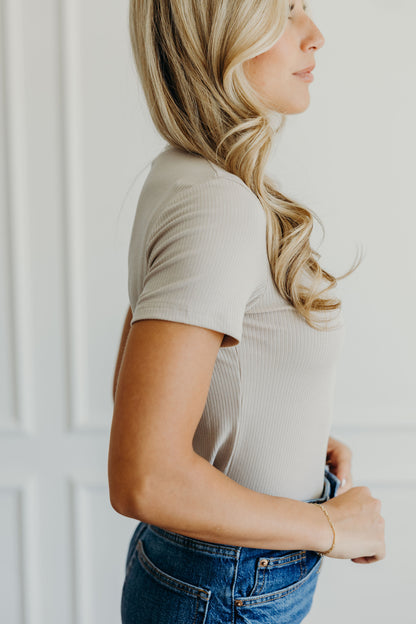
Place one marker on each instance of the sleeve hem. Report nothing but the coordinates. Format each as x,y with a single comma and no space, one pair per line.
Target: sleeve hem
203,319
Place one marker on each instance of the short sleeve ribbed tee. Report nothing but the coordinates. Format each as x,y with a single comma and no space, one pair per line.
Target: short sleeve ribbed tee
198,255
204,257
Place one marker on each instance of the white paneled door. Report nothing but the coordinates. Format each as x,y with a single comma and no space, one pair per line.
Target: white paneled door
67,161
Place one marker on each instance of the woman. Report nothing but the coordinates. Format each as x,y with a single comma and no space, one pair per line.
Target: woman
223,390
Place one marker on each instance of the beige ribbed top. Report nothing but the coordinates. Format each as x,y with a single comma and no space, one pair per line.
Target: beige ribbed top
198,255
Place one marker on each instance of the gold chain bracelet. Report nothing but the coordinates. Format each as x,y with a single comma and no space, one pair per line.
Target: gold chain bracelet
332,527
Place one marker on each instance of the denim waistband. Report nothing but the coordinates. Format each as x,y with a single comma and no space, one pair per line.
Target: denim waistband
331,485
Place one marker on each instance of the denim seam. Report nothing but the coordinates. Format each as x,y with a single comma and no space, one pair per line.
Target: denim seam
220,552
198,592
262,585
138,532
233,585
303,569
196,609
131,561
285,560
280,593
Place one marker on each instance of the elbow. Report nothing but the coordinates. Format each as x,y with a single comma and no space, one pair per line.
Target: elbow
128,506
156,496
128,501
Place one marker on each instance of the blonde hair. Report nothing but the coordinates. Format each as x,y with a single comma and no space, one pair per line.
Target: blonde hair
189,56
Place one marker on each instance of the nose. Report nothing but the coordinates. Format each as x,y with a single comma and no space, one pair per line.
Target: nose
314,38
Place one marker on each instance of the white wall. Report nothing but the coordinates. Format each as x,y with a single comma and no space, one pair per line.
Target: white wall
75,144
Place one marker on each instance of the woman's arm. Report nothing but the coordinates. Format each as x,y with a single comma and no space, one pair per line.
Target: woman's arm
124,335
154,474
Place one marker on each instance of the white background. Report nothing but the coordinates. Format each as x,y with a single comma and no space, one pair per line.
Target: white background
76,141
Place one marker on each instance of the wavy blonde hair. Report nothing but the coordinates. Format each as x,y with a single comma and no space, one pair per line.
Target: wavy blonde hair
189,56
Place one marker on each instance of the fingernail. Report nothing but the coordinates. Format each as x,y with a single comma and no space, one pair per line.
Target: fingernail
343,482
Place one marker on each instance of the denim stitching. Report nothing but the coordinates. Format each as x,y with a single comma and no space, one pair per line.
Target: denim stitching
287,559
164,578
196,609
132,559
178,539
233,584
303,568
137,535
256,579
264,578
280,593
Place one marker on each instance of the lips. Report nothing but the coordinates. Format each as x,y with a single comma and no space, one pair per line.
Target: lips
306,70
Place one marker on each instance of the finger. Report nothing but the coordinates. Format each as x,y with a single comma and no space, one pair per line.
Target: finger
343,470
345,485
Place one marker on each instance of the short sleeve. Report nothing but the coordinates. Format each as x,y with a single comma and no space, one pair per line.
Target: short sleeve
205,255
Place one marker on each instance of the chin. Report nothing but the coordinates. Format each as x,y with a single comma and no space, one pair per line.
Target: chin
294,107
301,109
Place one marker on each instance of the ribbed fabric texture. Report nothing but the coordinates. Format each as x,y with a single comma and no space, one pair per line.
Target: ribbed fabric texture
198,255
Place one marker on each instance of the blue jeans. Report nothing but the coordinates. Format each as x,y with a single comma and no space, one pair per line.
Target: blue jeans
175,579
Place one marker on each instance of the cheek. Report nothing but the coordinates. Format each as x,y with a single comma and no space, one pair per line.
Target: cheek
282,58
268,69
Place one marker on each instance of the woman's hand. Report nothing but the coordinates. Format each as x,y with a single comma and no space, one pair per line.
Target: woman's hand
338,457
355,524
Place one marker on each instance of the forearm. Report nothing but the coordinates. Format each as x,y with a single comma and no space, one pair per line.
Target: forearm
198,500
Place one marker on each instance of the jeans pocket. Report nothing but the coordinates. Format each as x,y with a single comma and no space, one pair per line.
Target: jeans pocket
138,531
276,573
313,563
290,604
150,594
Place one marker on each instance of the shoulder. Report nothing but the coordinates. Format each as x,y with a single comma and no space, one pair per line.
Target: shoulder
193,184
